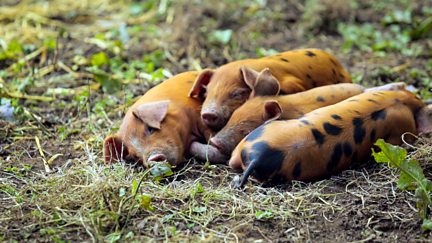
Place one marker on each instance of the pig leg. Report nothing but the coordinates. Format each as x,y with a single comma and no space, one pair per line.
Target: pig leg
391,87
207,152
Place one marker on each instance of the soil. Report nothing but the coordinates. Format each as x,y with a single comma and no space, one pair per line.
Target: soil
362,204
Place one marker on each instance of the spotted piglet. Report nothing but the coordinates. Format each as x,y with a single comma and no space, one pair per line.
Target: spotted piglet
258,110
229,86
327,140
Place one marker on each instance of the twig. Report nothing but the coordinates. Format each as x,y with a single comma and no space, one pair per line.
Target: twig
17,95
406,143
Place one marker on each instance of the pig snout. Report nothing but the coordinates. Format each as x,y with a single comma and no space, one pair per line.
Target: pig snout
157,157
212,120
220,145
207,152
213,117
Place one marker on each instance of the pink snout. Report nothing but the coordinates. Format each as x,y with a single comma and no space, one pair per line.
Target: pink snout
220,145
157,157
211,120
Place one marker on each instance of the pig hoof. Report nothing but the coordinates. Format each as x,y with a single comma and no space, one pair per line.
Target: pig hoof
236,182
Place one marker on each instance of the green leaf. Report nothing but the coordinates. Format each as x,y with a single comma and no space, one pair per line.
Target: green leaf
262,52
406,182
260,215
427,225
129,235
99,59
389,153
145,201
199,188
14,50
113,237
50,43
109,84
221,36
160,169
412,167
423,30
122,191
134,187
199,209
411,177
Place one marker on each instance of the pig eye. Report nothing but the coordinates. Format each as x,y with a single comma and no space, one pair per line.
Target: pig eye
150,130
238,94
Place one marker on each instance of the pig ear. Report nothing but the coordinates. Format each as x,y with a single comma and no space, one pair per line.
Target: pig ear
114,150
424,120
272,110
262,83
200,84
152,113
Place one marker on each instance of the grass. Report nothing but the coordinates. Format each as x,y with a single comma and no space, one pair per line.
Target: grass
70,69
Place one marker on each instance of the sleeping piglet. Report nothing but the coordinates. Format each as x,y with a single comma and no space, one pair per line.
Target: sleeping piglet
229,86
259,110
160,126
327,140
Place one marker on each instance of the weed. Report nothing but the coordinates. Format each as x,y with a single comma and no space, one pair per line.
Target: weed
411,177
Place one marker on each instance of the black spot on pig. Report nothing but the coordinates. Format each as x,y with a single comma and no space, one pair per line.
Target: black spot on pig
297,169
319,137
373,135
310,54
373,101
336,117
359,131
335,157
310,67
244,156
334,72
387,136
333,61
308,76
354,158
347,149
284,60
268,160
320,99
255,134
305,122
331,129
380,114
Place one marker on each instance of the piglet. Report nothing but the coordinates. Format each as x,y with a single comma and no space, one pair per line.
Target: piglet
259,110
229,86
327,140
160,126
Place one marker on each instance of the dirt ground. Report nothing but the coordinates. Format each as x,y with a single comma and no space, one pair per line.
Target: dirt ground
85,200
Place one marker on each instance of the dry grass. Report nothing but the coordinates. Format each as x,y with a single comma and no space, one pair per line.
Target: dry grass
85,200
